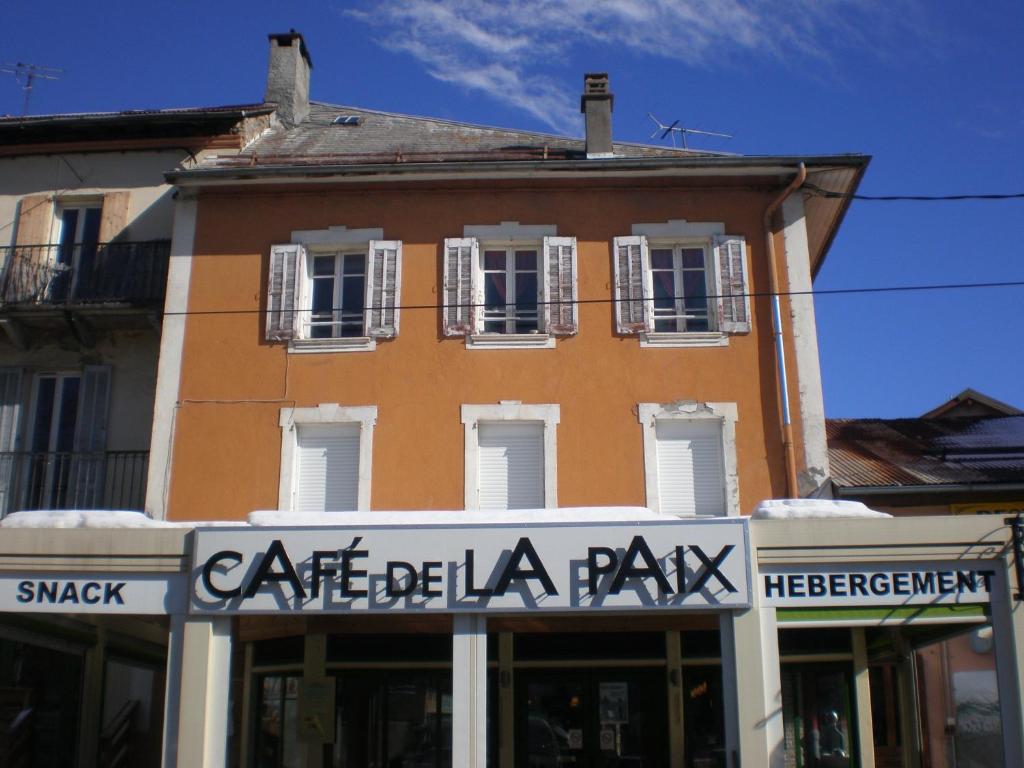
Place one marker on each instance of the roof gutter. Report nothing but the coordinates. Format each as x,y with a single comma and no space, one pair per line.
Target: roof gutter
906,490
780,353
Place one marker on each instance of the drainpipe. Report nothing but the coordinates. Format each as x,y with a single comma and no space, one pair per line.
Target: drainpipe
780,356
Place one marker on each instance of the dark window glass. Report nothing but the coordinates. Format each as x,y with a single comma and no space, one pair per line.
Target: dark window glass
407,647
494,260
45,393
661,258
701,644
804,641
703,717
693,258
526,261
589,645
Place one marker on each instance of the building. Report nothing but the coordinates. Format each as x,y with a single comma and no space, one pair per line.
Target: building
85,241
963,457
456,438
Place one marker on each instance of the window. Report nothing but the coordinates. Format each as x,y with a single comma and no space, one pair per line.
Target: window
683,284
334,290
326,456
690,458
510,286
510,456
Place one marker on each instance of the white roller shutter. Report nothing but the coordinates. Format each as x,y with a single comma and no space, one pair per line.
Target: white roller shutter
691,476
327,471
511,459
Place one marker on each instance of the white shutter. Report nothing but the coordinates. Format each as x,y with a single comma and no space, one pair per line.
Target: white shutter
460,259
560,282
630,262
691,475
732,284
10,411
286,262
383,288
327,471
511,473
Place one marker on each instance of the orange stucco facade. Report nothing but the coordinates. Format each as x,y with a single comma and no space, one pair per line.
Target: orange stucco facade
227,439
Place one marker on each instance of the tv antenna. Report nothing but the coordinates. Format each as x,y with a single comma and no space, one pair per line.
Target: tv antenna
678,130
27,74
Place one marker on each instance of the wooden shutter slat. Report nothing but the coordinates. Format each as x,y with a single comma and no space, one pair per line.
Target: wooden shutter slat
460,255
35,220
114,216
383,277
629,261
733,285
561,278
286,263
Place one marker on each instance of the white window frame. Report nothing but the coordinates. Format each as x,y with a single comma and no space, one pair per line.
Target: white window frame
510,235
677,246
325,413
649,414
510,410
338,242
685,234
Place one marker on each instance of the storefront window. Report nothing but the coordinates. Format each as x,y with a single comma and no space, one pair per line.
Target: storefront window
276,740
703,717
816,706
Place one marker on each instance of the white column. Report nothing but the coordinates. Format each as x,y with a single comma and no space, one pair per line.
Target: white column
753,686
1008,640
198,684
469,691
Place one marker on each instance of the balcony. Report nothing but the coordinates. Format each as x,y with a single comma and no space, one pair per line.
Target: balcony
69,480
86,286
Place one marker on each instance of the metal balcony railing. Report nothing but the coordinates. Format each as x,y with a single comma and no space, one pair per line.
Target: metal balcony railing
68,480
85,273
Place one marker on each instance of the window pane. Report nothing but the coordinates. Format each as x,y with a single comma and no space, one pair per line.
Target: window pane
693,258
494,260
44,413
352,291
68,414
526,291
661,258
494,291
664,289
526,260
694,287
355,264
323,295
323,265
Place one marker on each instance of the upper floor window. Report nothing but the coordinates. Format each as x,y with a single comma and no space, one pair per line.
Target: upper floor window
510,285
682,285
334,290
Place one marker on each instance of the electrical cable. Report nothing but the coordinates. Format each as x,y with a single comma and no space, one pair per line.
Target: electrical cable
815,189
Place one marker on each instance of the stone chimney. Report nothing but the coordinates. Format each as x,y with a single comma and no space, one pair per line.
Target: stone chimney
288,77
596,103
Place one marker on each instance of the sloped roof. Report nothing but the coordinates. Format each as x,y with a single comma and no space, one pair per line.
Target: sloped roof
926,452
971,402
387,137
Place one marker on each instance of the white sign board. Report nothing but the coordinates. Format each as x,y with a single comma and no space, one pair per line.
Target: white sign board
122,593
676,564
877,584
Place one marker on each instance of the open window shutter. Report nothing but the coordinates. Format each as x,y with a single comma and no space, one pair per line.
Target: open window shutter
114,217
733,286
35,220
560,269
10,411
629,262
460,255
88,465
282,291
383,287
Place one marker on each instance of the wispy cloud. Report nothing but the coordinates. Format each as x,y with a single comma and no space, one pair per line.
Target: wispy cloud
511,50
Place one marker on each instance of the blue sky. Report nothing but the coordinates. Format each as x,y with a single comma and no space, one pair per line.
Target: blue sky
932,89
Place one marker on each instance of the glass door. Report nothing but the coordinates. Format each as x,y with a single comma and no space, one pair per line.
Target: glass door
591,718
54,418
79,239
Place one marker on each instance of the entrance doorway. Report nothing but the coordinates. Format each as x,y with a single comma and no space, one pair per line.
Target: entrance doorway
591,718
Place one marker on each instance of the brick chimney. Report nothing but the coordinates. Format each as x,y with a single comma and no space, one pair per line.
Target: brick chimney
288,77
596,103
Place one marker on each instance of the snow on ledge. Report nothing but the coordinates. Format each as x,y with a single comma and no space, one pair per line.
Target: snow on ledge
84,518
813,509
275,518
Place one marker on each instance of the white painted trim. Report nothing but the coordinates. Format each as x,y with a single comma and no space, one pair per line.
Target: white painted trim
676,340
338,344
648,414
510,231
204,685
805,347
510,410
510,341
326,413
676,228
336,236
172,342
469,690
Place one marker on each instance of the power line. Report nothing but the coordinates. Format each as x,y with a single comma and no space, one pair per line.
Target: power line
916,198
612,300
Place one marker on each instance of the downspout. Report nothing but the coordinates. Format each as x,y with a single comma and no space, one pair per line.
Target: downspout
780,356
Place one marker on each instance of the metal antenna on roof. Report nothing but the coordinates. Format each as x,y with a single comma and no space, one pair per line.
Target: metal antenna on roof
27,74
675,129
